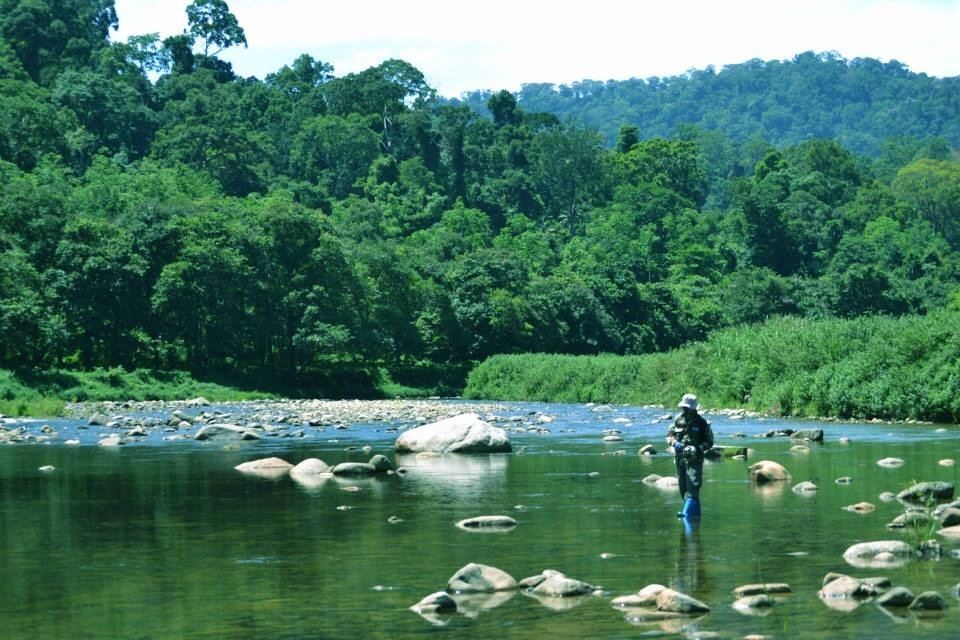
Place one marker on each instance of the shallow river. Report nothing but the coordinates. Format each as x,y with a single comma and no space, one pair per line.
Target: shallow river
167,540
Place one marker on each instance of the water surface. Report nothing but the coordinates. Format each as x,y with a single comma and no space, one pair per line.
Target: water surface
166,539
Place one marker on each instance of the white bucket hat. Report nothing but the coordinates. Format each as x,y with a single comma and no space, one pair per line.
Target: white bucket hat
689,401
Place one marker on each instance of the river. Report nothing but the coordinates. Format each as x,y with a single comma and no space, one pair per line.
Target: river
163,538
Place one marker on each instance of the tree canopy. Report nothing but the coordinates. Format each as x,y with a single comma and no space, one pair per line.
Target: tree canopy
158,211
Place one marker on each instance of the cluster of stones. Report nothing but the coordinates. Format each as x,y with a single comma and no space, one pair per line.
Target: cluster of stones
314,468
845,593
478,587
257,420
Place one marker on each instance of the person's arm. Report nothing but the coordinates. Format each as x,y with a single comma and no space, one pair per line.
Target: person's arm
707,443
672,441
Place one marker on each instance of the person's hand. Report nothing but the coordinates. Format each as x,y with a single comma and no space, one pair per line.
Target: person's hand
677,447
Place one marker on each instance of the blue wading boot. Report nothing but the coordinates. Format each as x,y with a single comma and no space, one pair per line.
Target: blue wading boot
691,509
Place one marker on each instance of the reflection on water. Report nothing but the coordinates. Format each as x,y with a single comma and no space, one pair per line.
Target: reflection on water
148,541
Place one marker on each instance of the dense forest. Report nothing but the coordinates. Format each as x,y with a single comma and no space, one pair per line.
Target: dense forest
158,211
861,103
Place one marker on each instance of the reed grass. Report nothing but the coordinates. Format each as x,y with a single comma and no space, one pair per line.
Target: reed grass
868,367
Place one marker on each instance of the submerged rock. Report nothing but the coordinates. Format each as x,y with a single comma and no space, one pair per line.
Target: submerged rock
354,469
928,601
480,578
493,523
554,584
227,431
913,519
667,483
465,433
860,507
805,487
881,553
768,471
891,463
896,597
814,435
674,601
437,602
756,589
750,604
265,467
651,479
646,597
310,467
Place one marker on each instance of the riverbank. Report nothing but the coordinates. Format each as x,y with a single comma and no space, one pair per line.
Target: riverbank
47,393
889,369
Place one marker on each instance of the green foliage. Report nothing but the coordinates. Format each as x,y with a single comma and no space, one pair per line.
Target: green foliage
865,368
157,212
861,102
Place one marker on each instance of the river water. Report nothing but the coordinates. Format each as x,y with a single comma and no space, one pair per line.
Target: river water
167,540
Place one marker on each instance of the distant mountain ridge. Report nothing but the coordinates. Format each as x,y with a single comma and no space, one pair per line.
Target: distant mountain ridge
859,102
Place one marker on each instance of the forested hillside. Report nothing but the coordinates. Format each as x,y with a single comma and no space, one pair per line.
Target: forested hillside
158,211
861,103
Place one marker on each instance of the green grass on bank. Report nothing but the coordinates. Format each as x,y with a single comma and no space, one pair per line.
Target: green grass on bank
45,393
871,367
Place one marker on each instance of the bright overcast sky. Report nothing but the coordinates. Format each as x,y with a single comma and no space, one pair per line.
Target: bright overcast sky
502,44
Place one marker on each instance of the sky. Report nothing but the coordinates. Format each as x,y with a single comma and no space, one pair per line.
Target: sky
503,44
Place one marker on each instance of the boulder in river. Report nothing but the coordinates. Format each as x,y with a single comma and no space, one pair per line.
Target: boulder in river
265,467
927,491
754,605
438,602
651,479
225,431
890,463
354,469
667,483
487,523
805,487
480,578
761,588
310,467
768,471
879,554
928,601
911,519
646,597
814,435
554,584
895,597
465,433
676,602
949,517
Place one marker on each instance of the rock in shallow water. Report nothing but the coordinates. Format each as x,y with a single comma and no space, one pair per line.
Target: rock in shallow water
437,602
924,491
879,554
768,471
488,523
465,433
480,578
890,463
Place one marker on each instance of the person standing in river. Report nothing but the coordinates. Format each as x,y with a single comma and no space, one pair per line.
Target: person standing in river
690,437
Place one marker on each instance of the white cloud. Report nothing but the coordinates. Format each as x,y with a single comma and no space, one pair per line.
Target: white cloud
505,43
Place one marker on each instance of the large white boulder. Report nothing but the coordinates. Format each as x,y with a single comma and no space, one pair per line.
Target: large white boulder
465,433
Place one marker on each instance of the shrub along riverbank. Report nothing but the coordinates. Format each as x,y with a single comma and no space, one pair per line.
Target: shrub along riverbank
869,367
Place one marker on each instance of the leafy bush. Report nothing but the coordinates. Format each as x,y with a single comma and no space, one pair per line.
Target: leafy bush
869,367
